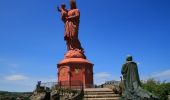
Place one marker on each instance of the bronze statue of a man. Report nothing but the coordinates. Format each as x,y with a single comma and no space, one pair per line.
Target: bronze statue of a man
71,20
132,85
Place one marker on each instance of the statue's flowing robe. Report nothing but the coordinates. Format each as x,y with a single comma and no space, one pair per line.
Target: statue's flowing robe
132,84
71,30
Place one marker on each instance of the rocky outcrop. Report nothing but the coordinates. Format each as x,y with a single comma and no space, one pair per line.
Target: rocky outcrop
40,96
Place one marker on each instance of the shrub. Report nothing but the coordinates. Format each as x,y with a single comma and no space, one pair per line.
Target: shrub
161,89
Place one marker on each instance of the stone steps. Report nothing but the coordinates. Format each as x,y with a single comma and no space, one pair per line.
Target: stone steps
89,93
99,94
115,98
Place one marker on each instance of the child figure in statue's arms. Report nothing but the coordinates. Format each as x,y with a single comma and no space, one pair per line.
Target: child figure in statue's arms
63,11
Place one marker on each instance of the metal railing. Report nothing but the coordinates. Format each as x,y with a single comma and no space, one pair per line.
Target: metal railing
63,84
70,84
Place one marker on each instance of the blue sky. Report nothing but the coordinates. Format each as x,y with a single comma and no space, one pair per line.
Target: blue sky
31,39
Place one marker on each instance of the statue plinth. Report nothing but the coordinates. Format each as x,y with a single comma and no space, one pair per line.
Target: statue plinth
75,69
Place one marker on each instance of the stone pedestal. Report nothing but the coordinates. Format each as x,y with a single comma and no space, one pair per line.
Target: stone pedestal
75,70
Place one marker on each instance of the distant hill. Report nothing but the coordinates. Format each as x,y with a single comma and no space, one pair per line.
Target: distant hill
5,95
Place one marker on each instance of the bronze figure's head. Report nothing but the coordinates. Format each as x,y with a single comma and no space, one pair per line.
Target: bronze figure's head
73,4
129,58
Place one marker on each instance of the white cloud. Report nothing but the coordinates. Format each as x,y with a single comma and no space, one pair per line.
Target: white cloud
163,74
102,77
13,65
16,77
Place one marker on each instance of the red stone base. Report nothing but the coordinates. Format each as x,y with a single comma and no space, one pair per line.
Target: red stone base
72,71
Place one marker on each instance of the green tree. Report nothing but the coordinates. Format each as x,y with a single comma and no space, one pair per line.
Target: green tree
161,89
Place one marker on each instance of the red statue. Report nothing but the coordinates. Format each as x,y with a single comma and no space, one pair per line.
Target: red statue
74,68
71,20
